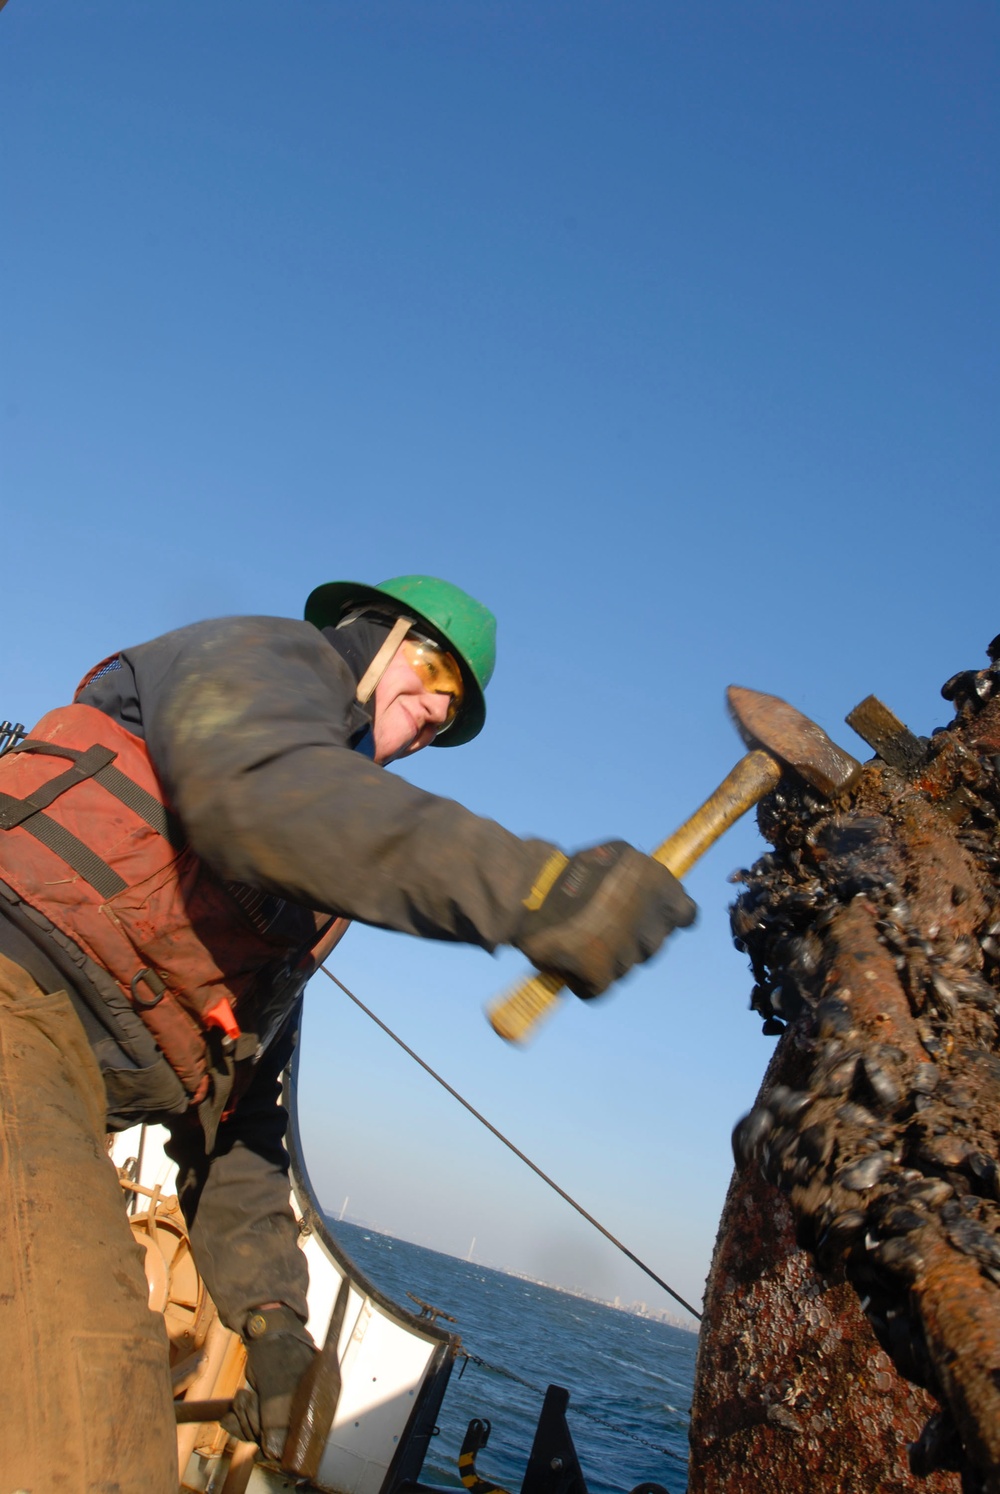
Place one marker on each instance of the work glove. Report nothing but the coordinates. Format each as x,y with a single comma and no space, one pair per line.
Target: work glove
590,917
279,1351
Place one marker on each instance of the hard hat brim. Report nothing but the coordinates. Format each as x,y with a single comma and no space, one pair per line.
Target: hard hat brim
326,606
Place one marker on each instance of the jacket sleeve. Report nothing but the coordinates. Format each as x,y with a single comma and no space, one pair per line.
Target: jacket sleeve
236,1201
250,725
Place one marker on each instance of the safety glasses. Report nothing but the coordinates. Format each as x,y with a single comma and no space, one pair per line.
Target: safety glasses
438,672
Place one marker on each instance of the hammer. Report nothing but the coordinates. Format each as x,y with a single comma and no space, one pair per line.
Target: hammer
779,738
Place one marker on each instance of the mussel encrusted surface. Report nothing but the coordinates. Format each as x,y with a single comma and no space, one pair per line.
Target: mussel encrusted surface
852,1321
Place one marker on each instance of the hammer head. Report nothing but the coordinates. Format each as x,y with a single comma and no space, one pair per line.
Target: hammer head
772,724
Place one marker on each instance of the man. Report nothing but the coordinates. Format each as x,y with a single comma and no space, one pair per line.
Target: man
172,846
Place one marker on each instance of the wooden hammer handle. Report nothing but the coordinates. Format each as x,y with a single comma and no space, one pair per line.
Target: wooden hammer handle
188,1412
754,776
513,1016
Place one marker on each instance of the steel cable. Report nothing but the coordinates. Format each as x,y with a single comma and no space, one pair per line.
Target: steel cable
511,1147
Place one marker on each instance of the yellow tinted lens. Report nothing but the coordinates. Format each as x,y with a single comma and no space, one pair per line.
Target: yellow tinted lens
438,671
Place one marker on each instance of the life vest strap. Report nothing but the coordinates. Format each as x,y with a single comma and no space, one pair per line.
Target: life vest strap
96,762
86,765
134,797
64,844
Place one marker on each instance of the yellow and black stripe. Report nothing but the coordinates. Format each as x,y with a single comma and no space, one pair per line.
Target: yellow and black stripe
476,1438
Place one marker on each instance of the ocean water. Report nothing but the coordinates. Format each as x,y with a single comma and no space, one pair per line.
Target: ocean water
630,1379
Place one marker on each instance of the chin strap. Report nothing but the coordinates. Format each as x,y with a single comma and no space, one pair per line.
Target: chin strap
378,666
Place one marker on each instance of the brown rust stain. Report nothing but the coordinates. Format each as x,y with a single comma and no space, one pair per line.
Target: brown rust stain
793,1390
861,973
961,1316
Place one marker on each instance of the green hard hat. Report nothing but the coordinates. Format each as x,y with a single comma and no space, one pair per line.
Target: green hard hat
449,615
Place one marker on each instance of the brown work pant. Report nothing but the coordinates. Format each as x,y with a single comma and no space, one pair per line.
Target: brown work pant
85,1398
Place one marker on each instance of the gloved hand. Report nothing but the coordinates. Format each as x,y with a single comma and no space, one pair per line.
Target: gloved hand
592,916
279,1351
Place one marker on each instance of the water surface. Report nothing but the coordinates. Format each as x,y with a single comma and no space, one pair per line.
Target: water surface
630,1379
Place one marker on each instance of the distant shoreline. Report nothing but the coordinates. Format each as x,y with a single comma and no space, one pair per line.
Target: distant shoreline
635,1309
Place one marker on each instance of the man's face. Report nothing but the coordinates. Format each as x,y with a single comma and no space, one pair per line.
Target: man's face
408,714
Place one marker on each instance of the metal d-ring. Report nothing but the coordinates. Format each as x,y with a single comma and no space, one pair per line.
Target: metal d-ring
145,974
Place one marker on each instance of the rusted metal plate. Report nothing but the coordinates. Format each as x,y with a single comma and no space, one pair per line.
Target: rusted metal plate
874,934
794,1395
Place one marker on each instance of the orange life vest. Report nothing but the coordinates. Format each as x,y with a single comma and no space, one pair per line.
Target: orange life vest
94,847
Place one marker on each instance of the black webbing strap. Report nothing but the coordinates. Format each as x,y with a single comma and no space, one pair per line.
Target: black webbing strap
33,744
95,762
86,764
80,858
155,814
125,789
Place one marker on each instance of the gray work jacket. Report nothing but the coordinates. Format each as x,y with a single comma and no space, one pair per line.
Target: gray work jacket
253,728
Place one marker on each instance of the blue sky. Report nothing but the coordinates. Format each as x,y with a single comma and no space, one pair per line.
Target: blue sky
668,329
